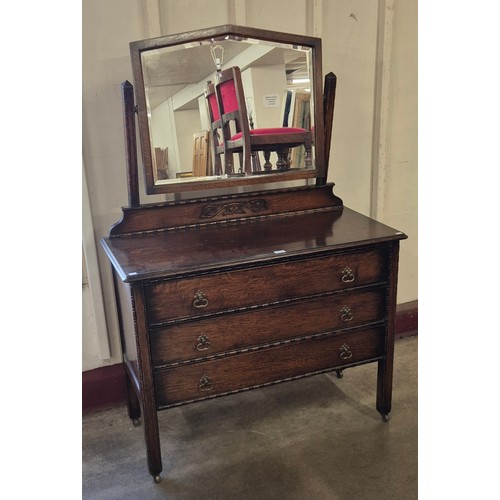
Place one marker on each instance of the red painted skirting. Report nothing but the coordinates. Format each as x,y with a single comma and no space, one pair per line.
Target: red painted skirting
407,319
105,387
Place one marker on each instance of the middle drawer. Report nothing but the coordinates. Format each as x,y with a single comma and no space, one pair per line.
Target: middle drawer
238,331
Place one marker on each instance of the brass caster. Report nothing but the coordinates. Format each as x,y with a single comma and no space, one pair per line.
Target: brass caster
385,417
340,373
157,479
136,422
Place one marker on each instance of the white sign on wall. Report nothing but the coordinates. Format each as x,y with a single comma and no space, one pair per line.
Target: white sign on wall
272,101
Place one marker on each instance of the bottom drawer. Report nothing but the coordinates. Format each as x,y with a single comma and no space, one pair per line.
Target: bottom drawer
241,371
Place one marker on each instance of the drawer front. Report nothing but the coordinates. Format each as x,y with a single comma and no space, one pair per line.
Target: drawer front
240,371
219,334
184,298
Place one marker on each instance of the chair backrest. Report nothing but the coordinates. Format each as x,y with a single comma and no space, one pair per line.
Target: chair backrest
215,125
231,99
213,108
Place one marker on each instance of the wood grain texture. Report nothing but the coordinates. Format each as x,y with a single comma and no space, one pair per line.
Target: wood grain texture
147,392
261,285
386,365
252,328
200,211
224,246
245,370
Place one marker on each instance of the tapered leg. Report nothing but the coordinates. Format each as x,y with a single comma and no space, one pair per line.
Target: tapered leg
152,438
147,393
384,388
385,365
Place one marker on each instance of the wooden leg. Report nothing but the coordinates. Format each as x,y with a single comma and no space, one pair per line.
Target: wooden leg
267,165
242,163
218,165
147,394
133,405
281,164
308,157
152,437
228,163
255,162
385,365
246,160
384,389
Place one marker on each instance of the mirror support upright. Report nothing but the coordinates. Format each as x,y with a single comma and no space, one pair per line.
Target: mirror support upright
328,108
130,144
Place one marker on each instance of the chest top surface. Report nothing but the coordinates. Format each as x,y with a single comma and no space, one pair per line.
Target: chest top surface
169,253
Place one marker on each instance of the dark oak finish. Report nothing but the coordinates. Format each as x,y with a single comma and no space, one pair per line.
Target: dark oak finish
238,207
240,371
138,48
240,289
130,143
222,294
235,305
214,335
328,109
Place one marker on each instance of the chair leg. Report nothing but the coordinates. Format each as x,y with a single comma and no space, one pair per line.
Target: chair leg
308,158
228,163
246,161
240,157
282,164
255,162
267,165
218,165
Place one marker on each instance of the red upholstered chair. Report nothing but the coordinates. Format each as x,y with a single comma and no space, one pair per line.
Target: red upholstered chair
215,126
242,139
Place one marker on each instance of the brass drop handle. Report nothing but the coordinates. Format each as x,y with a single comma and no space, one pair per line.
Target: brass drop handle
346,314
200,300
205,384
203,343
347,275
345,352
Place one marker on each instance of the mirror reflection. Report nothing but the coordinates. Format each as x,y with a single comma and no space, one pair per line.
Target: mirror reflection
228,107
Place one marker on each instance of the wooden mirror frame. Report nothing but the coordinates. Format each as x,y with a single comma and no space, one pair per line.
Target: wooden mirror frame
138,47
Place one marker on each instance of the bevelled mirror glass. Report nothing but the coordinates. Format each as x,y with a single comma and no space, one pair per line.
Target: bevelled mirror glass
228,106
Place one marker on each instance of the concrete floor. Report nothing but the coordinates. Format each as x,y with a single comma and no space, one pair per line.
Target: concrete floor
318,438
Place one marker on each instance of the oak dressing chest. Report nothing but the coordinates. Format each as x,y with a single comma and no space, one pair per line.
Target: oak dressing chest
251,286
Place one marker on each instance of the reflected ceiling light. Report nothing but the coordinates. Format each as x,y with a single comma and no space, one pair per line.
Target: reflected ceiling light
218,56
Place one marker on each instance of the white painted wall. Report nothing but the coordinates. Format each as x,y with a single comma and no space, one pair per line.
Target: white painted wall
349,34
164,134
373,156
188,123
399,206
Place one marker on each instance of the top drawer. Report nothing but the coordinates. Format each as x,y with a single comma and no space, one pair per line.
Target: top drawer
183,298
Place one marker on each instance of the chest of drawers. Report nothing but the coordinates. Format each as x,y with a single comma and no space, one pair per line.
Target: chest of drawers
210,309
